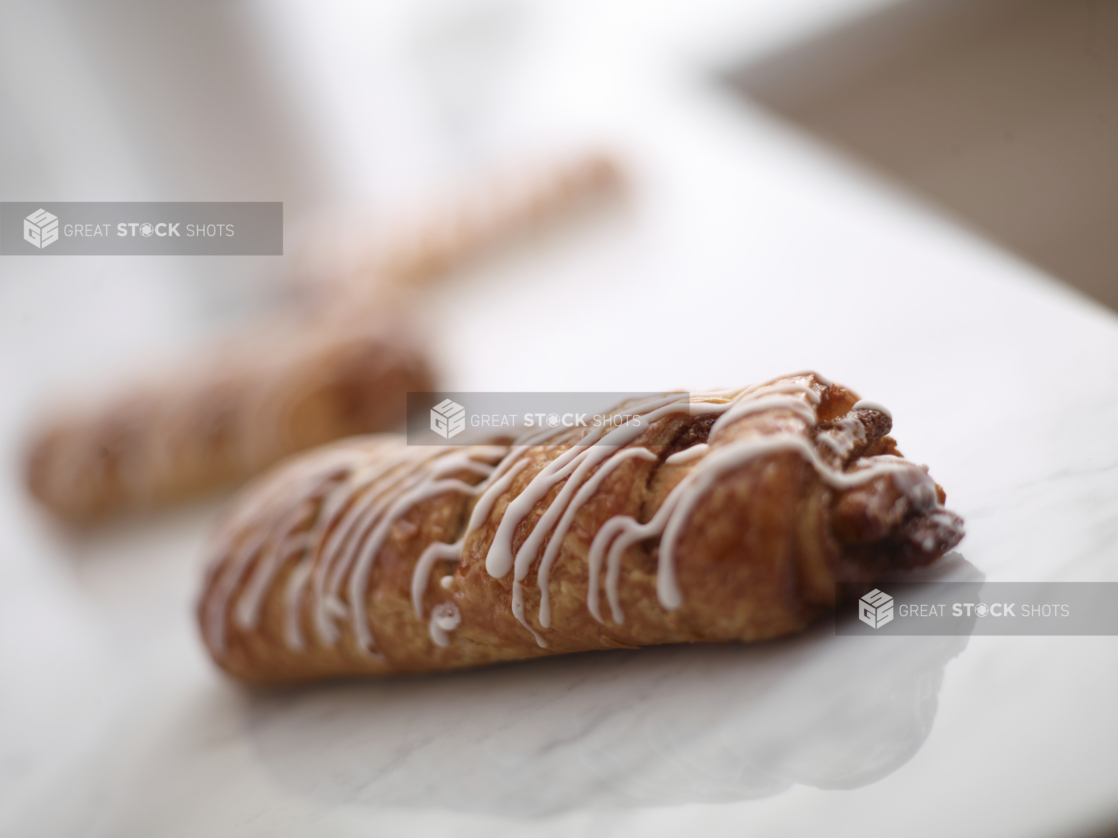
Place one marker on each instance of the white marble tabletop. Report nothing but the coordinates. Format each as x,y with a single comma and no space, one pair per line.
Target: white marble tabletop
744,250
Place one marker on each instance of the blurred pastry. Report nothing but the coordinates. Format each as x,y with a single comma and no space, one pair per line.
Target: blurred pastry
308,379
226,415
733,515
353,258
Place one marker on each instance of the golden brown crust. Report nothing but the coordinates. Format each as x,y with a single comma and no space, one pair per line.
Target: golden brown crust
224,418
774,519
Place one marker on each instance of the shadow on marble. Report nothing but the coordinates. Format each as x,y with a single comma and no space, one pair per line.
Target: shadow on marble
609,730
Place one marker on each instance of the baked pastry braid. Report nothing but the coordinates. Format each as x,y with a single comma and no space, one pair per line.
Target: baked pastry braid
733,515
353,259
225,417
297,383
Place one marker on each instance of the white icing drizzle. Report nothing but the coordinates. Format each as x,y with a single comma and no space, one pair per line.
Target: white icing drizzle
675,512
309,478
866,404
757,404
518,612
585,492
440,550
687,454
247,611
419,491
572,467
436,551
445,617
360,506
574,463
357,507
292,636
323,581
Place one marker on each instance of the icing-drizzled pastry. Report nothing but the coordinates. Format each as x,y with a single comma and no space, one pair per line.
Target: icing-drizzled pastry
731,515
226,416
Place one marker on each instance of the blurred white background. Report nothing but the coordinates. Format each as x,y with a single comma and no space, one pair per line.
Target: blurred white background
746,247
